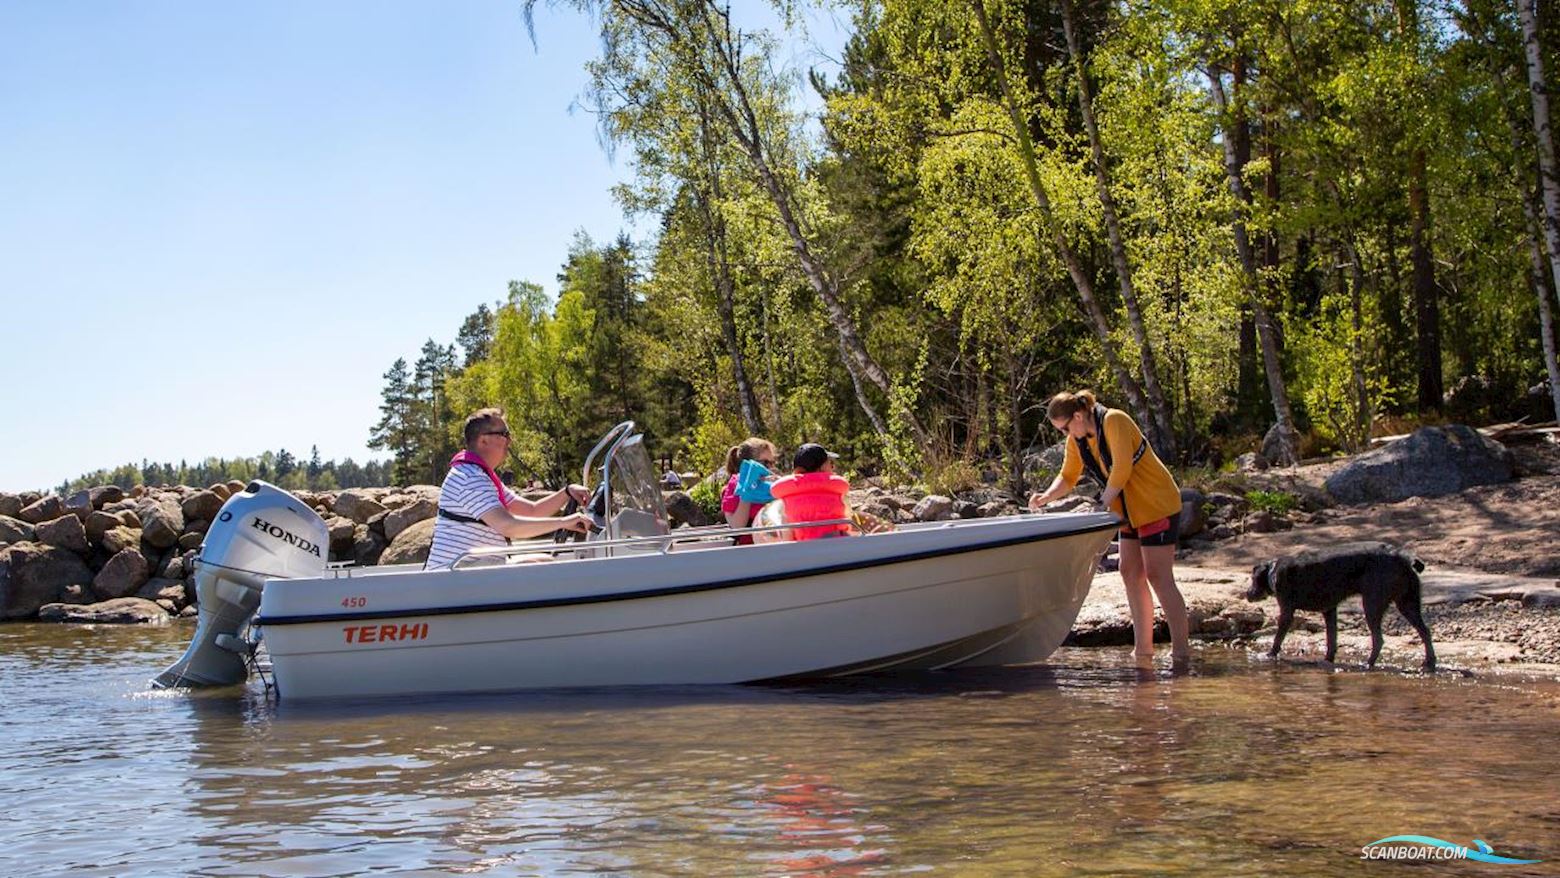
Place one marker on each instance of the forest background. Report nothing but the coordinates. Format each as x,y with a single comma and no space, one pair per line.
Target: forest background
1274,225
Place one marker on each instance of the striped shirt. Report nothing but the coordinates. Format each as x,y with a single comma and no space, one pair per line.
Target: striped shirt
467,491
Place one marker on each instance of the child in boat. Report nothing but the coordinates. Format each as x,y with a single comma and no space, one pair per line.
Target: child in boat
739,512
813,493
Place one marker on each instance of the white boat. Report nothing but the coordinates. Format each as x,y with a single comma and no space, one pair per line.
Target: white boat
640,605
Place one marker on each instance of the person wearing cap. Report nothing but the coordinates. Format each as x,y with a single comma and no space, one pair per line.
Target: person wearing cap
813,493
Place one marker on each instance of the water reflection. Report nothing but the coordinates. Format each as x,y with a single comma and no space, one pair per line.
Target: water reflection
1081,767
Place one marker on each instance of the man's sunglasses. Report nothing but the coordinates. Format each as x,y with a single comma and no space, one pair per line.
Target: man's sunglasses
503,433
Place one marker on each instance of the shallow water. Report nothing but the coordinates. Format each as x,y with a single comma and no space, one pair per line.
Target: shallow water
1080,767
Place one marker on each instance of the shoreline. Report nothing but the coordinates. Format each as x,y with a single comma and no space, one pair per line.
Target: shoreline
1480,622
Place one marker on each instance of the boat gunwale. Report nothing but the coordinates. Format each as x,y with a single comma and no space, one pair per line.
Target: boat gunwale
674,590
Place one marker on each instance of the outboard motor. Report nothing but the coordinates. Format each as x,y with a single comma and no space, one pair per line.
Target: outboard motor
262,533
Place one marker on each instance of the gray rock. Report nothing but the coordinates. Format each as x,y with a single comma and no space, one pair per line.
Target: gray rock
129,518
996,508
39,511
10,505
172,567
406,515
32,575
1193,519
65,532
965,509
1251,462
1273,451
411,545
1070,503
1221,532
102,495
191,541
221,490
367,546
121,611
124,573
682,510
1430,462
201,504
79,504
1045,461
1265,522
341,532
358,505
117,539
77,594
162,521
934,507
14,530
99,523
160,589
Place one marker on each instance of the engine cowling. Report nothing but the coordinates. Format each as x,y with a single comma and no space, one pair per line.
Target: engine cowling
261,533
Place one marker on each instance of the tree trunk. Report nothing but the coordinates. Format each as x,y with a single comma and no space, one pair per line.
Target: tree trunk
1545,312
703,40
1162,423
1081,282
1427,309
718,263
1266,334
1538,88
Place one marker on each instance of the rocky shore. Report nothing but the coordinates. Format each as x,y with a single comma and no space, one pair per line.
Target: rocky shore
1484,517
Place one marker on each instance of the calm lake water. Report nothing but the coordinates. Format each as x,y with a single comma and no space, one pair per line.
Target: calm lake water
1075,768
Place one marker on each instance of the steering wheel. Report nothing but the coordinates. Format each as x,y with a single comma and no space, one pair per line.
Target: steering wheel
564,535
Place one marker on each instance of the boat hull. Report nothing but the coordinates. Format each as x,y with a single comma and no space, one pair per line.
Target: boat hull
999,591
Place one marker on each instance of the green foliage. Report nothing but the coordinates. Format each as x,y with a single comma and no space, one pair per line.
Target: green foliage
1276,502
318,475
706,495
907,212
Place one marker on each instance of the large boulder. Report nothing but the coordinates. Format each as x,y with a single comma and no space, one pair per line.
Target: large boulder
99,523
358,505
934,507
14,530
32,575
367,546
117,539
39,511
79,504
201,505
169,594
66,532
10,505
103,495
162,521
1430,462
124,573
1193,518
681,509
120,611
408,514
411,545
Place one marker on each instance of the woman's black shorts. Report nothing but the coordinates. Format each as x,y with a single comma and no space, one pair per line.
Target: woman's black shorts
1168,536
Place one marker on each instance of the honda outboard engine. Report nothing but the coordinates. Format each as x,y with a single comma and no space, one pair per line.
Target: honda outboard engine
262,533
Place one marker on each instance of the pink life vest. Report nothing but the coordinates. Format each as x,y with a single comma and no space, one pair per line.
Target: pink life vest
813,497
466,457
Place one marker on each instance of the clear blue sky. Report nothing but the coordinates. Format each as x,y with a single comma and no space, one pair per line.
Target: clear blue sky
220,223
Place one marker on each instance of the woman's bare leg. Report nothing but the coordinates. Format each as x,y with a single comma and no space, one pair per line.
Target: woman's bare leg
1159,562
1134,578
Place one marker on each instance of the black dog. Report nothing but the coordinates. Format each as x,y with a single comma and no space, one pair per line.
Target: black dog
1318,580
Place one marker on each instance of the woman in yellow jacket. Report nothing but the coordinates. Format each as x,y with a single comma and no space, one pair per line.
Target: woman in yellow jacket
1139,490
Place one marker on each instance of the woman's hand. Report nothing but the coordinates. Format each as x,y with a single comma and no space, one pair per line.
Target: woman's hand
579,522
1037,502
578,493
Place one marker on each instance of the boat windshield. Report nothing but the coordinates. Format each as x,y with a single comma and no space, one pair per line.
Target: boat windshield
636,508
